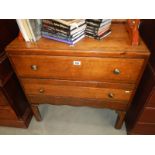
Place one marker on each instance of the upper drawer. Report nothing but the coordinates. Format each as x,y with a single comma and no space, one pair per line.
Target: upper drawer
5,70
78,68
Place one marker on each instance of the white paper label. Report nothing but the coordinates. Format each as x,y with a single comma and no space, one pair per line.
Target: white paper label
77,63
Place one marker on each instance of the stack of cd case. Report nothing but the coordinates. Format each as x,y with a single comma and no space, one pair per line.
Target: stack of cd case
98,28
69,31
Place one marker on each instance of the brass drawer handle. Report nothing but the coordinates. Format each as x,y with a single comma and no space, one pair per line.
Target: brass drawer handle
127,91
116,71
41,90
111,95
34,67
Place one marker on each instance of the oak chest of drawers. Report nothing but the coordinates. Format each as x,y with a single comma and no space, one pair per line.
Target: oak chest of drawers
102,74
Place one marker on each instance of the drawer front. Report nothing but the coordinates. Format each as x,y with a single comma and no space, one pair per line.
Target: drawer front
3,100
143,128
78,68
151,102
7,113
40,99
50,88
5,69
148,115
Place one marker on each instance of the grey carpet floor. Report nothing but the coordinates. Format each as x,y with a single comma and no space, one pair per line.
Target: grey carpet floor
68,120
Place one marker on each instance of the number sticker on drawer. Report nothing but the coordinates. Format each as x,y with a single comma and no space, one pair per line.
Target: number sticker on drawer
77,63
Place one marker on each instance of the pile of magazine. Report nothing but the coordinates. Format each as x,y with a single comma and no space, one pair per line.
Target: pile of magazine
98,28
69,31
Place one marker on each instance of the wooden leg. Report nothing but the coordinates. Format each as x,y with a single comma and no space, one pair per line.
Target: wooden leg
120,119
36,112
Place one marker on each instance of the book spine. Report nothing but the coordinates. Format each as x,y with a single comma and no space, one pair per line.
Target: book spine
98,37
57,39
68,33
79,38
98,24
31,31
81,28
62,37
95,20
27,29
90,35
103,31
97,30
103,35
105,23
89,23
35,26
71,26
94,29
55,23
22,29
55,29
54,32
98,21
56,35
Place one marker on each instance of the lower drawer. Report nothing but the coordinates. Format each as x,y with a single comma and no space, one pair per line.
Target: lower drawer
148,115
7,113
38,99
143,128
151,102
3,100
45,87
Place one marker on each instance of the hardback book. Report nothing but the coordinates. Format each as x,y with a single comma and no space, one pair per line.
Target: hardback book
69,24
22,29
28,32
30,29
63,40
35,28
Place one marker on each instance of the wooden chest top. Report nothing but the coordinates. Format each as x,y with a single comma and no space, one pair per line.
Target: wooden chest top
117,43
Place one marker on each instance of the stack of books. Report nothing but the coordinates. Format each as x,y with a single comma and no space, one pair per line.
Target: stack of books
98,28
30,29
69,31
